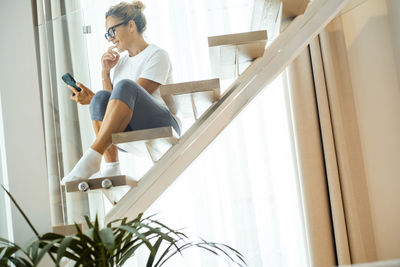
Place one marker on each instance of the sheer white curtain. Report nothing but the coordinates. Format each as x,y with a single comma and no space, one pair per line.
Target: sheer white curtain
243,189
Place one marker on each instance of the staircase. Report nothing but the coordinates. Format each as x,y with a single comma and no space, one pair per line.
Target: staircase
242,56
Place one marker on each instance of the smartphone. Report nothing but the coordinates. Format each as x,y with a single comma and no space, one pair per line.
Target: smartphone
68,79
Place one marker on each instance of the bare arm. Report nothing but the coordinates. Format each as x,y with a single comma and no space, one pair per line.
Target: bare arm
149,85
107,85
108,61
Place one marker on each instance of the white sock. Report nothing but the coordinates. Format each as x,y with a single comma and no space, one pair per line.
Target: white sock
88,165
111,169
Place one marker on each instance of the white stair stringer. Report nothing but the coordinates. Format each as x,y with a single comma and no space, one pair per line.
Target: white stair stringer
263,71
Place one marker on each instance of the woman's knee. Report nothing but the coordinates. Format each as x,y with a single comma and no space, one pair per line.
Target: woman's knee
127,91
125,87
98,105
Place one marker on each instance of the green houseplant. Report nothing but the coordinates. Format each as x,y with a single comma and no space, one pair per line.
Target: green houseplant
112,245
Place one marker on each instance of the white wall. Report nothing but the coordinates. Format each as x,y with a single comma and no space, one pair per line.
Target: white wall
377,98
4,203
21,137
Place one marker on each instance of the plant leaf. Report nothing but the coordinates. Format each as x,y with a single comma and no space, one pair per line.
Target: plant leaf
8,243
89,233
181,248
51,237
89,223
25,217
108,239
83,258
44,250
63,247
10,251
19,262
138,234
152,256
21,211
12,246
163,255
129,253
34,249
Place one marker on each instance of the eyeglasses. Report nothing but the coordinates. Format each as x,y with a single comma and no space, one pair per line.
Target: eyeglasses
111,31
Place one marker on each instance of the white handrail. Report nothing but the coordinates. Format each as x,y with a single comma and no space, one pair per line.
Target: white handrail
263,71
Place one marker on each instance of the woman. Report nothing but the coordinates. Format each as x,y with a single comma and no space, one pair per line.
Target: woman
130,99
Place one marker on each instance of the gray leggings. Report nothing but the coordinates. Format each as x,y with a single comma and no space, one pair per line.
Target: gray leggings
147,112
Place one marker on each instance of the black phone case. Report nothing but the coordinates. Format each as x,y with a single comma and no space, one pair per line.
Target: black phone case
68,79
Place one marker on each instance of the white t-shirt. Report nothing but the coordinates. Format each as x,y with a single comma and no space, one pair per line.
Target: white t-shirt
152,63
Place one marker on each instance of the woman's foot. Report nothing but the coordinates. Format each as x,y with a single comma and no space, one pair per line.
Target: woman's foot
111,169
88,165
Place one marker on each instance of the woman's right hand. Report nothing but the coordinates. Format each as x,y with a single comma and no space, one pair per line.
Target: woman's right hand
109,59
84,96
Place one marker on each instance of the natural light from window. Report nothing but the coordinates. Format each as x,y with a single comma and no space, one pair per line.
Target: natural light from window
243,189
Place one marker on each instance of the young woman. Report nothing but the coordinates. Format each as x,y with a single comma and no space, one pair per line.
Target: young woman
130,99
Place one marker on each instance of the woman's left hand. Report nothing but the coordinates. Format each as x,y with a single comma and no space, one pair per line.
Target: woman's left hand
84,96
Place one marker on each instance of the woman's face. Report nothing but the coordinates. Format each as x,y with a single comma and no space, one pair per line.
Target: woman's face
121,33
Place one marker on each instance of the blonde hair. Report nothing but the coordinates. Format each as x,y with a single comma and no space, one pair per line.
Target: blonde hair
129,11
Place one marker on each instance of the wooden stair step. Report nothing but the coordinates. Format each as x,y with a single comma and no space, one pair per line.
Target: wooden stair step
191,99
237,38
155,141
294,8
96,183
230,54
290,10
67,229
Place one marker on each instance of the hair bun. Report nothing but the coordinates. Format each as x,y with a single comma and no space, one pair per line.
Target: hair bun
138,5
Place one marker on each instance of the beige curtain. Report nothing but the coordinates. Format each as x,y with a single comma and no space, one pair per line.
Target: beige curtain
330,163
63,49
49,123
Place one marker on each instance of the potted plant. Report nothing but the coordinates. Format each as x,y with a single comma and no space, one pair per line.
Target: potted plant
112,245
